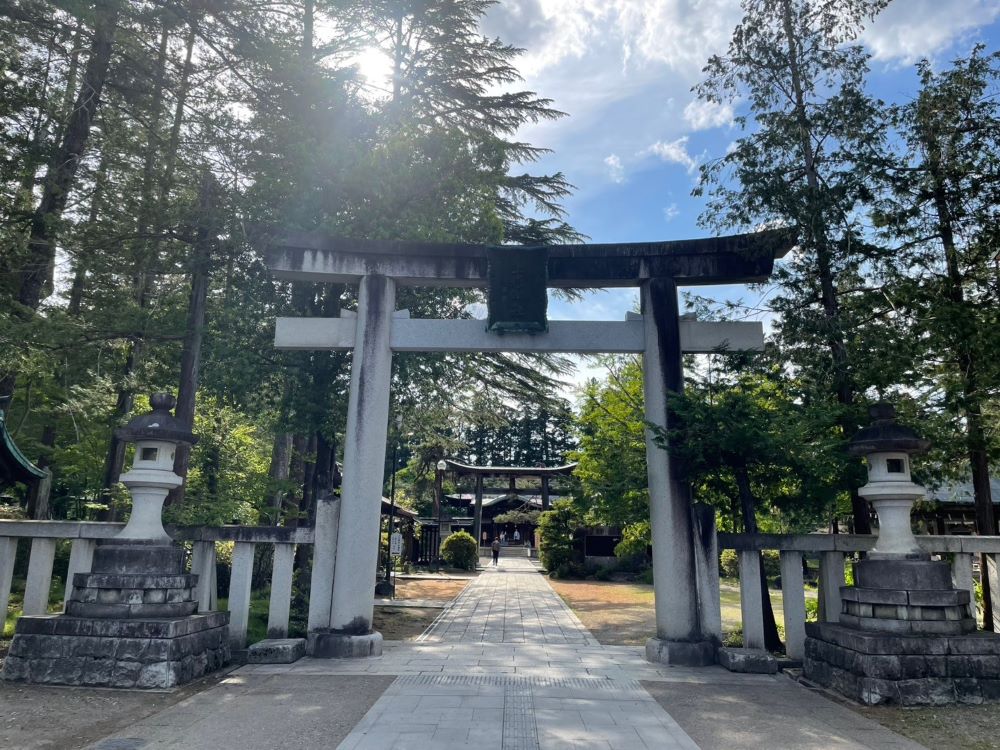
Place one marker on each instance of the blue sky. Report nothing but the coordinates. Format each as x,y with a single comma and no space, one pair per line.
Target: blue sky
623,70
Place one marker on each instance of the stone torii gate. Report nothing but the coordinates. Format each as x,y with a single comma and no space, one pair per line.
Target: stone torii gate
542,473
688,621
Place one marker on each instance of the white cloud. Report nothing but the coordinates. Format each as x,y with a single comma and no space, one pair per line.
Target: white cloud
705,115
623,70
674,152
671,212
615,169
908,31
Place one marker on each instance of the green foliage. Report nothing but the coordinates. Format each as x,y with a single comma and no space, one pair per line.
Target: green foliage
636,539
612,452
519,517
294,137
229,470
729,564
748,422
460,550
555,548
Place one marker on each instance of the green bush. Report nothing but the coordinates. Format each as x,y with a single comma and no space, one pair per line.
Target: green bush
635,541
570,569
771,563
556,527
733,638
460,550
729,564
812,610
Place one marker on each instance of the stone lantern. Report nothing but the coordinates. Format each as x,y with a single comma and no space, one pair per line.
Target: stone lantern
132,622
904,633
887,448
156,436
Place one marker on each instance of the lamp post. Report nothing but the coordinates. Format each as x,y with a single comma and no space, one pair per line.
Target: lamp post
442,466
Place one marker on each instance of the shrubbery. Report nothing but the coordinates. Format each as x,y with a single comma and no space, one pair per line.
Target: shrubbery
635,541
460,550
555,549
729,563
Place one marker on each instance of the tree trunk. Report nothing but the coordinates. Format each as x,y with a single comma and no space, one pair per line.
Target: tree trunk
297,478
38,498
772,641
115,457
37,272
191,358
281,454
173,143
96,206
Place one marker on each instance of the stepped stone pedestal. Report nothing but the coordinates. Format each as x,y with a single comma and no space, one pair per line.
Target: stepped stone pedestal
906,646
132,621
906,635
123,630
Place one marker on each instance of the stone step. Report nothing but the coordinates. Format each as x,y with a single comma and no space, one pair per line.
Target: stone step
511,551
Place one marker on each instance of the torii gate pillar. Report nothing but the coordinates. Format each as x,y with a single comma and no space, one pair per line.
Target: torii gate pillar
688,618
348,631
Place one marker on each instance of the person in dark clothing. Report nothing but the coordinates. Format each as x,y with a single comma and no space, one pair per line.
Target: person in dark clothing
496,551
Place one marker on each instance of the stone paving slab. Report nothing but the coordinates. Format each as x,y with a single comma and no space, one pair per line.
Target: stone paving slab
509,603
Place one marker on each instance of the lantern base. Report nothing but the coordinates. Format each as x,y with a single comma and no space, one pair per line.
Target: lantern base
133,653
906,670
131,623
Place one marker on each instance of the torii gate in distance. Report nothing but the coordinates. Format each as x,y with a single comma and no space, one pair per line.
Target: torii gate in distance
688,619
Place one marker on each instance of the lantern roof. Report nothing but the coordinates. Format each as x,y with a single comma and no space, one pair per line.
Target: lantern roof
885,435
159,424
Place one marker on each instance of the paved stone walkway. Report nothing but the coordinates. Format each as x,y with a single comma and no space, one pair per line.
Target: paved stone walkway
508,667
509,603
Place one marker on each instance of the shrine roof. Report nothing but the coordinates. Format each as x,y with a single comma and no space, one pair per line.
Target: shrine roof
14,465
317,256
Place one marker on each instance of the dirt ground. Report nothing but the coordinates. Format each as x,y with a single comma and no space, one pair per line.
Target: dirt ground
426,588
33,717
944,727
406,623
630,619
616,614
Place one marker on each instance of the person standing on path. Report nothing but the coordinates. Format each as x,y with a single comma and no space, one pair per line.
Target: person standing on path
496,551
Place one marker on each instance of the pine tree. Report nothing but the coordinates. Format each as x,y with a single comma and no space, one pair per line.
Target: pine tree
803,163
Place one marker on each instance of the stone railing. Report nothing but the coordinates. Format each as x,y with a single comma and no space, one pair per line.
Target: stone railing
832,549
84,535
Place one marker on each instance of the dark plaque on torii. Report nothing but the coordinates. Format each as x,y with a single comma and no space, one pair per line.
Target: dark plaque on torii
517,298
